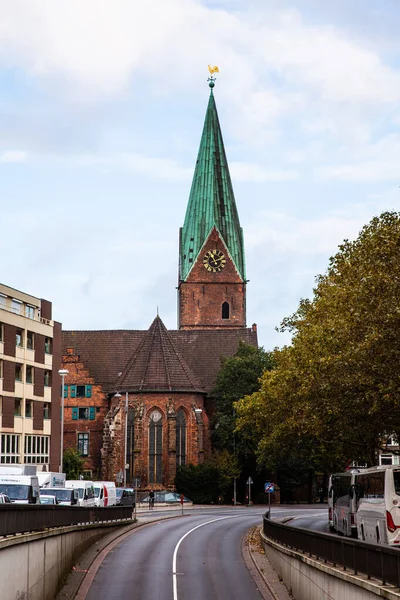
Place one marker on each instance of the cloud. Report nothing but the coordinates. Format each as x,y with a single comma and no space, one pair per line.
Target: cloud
242,171
13,156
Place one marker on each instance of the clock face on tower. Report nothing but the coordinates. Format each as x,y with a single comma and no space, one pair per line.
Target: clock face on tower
214,261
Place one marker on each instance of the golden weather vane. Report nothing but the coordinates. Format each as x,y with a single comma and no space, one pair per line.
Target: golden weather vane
213,69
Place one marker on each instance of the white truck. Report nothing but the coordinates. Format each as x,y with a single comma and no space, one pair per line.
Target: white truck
51,479
22,489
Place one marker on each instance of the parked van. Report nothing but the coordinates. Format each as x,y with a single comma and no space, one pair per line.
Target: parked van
22,489
105,493
65,496
85,491
51,479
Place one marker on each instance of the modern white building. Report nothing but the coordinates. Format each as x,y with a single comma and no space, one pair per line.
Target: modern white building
30,346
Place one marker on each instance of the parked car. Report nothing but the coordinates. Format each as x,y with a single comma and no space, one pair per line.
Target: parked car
64,496
125,497
4,499
48,499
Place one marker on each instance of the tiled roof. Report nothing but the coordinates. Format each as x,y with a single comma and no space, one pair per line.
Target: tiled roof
107,353
156,365
211,201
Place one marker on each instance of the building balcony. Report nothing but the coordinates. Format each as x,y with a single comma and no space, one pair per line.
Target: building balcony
1,347
20,352
19,389
47,427
18,424
1,386
30,355
47,394
48,360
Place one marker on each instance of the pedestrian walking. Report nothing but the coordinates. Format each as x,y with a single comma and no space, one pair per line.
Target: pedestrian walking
151,499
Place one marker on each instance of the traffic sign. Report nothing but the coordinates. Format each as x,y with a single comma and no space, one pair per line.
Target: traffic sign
249,481
269,487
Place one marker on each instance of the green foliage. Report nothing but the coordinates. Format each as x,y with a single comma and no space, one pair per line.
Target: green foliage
72,463
199,483
239,375
335,392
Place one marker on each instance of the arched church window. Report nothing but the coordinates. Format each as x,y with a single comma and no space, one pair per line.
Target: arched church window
225,310
180,438
155,447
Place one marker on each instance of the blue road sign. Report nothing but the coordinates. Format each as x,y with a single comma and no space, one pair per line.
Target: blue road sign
269,487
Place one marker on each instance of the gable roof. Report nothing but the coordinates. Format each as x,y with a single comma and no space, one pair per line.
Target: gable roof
156,365
107,353
211,201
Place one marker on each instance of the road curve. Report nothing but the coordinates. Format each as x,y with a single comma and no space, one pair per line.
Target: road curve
193,558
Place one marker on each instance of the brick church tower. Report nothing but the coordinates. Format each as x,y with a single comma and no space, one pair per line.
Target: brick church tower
212,278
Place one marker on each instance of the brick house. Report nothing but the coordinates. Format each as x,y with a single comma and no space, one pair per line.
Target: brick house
146,394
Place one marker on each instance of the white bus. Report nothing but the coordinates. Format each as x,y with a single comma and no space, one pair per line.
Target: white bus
342,503
378,505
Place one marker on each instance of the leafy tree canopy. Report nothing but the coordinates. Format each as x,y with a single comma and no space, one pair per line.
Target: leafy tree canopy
239,375
72,463
334,394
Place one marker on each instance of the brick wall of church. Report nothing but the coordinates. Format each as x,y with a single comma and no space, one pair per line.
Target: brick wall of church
198,445
201,297
83,416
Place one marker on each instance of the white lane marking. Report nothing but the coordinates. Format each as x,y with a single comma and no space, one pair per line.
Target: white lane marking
174,573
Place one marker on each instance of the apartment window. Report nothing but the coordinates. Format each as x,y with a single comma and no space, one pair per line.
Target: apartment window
47,378
29,340
29,374
30,311
84,412
80,391
48,345
1,369
19,338
9,448
36,449
16,306
17,407
83,444
28,409
18,372
46,411
2,301
1,331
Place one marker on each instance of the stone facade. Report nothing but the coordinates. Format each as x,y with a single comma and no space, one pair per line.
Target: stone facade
83,414
202,295
138,453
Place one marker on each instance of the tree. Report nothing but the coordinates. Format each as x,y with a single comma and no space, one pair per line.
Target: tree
239,375
72,463
334,393
199,483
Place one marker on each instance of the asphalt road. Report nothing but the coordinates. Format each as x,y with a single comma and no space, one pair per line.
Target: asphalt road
197,557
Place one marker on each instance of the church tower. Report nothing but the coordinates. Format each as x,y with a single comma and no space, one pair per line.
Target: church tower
212,278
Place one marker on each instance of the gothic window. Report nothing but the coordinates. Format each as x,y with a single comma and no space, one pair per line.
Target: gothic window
180,438
225,310
155,447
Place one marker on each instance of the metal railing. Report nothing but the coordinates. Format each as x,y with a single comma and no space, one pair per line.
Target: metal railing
373,560
24,518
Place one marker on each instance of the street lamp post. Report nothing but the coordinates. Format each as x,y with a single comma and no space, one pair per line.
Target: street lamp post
63,373
126,437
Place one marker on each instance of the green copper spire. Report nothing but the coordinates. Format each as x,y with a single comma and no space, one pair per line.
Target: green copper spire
212,201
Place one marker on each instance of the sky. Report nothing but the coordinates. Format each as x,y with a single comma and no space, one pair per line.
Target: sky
102,106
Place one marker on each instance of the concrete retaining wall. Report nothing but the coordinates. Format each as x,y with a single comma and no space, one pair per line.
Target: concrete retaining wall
309,579
33,566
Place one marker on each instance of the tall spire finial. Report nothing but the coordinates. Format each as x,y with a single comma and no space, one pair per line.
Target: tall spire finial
211,79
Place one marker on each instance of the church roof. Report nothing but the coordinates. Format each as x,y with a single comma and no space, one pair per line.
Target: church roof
211,201
107,353
156,365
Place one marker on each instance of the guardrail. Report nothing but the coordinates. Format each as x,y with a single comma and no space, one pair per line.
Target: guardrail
373,560
24,518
